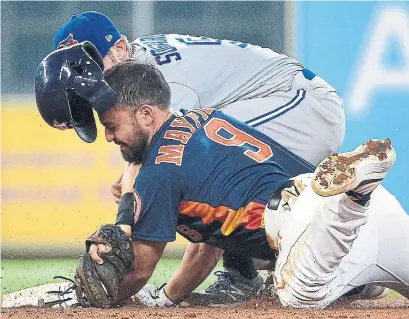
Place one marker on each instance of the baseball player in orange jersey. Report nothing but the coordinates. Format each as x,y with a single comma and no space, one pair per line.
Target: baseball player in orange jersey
333,230
272,92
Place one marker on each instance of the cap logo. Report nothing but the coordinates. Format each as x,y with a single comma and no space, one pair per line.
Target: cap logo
109,37
68,41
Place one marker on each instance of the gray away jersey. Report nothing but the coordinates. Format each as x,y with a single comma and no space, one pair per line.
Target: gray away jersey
209,72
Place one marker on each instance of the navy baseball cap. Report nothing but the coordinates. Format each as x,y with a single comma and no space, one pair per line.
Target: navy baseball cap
91,26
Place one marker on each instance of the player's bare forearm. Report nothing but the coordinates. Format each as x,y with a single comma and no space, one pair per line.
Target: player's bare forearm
133,282
197,263
147,254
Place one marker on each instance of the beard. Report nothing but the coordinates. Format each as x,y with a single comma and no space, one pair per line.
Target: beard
136,152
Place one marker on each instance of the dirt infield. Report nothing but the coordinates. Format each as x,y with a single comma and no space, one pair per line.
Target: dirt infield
388,307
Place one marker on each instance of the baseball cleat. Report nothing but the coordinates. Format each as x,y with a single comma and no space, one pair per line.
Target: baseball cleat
373,292
230,287
359,171
367,292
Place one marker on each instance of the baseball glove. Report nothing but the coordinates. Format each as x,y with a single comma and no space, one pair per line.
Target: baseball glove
97,285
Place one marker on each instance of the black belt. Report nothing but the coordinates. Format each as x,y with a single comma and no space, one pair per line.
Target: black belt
275,197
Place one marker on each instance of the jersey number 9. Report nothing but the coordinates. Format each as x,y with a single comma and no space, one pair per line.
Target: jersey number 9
237,138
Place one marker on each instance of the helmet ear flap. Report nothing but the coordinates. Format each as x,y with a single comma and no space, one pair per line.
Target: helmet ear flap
81,116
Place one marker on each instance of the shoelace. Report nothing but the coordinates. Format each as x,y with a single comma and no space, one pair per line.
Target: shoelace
61,293
223,282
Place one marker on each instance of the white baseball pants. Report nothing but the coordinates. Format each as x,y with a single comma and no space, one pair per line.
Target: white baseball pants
328,246
308,120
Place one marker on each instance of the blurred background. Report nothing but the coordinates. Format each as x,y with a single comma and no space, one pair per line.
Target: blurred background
55,188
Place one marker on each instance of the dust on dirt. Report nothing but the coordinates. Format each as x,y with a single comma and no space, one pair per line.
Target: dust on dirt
388,307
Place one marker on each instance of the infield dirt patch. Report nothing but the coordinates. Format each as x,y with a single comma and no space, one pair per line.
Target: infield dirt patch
388,307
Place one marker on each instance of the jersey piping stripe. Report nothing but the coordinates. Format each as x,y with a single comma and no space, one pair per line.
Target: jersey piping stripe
277,109
261,119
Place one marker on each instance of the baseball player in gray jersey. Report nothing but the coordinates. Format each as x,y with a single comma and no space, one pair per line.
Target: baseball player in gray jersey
269,91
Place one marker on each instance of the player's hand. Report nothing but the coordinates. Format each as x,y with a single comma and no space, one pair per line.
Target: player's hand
129,175
95,249
290,194
116,190
61,126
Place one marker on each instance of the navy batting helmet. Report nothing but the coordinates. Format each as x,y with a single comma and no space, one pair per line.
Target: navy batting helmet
68,85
